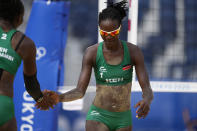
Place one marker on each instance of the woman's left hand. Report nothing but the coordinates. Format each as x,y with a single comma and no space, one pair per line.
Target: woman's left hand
143,108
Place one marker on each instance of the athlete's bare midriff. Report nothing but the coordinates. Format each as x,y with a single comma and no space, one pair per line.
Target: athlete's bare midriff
6,84
113,98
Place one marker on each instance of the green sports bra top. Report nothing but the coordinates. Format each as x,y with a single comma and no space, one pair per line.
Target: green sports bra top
113,75
9,59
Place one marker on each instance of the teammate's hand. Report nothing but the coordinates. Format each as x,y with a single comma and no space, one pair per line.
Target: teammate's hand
143,108
49,99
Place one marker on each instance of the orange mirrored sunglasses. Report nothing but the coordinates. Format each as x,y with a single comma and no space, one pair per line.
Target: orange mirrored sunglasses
112,33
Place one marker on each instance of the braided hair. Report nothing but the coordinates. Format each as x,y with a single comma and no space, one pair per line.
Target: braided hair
10,10
113,11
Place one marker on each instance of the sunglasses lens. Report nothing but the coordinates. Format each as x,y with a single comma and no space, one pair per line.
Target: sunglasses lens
103,33
116,32
113,33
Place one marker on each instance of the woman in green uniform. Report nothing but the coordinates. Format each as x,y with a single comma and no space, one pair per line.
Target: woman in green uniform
113,61
15,47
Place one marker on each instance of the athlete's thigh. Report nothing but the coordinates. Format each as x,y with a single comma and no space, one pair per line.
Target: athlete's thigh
95,126
129,128
9,126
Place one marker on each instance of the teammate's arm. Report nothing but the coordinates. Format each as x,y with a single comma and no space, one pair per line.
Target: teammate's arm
83,81
142,75
27,51
45,99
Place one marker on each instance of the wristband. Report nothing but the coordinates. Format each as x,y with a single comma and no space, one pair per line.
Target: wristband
33,87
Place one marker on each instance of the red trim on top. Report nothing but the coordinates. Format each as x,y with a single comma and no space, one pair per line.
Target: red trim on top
126,67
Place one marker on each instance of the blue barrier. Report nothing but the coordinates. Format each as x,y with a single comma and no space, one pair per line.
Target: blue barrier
47,27
166,113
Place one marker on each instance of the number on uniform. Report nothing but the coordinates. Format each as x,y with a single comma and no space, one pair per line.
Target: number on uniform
4,36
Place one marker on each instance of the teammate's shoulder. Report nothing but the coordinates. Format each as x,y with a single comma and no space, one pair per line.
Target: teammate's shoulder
27,47
26,40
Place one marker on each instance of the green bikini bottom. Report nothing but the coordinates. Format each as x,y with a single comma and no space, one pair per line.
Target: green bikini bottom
113,120
6,109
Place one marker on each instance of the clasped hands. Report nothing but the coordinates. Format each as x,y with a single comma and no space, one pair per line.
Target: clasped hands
49,100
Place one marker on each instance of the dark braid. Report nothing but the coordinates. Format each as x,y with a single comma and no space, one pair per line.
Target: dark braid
115,11
10,10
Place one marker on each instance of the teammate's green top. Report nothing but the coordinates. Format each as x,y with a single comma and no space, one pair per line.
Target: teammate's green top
113,75
9,59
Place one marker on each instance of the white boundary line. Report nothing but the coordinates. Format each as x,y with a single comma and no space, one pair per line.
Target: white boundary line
169,86
166,86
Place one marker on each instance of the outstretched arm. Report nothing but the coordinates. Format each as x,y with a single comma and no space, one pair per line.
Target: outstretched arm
83,81
142,75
